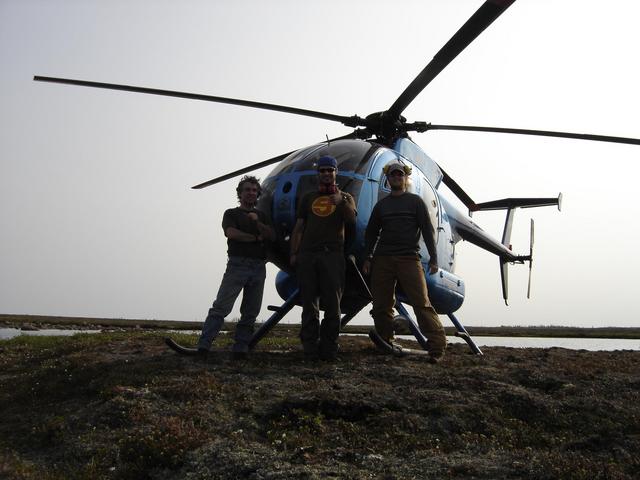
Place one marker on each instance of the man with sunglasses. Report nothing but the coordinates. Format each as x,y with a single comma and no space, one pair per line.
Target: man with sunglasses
392,246
317,253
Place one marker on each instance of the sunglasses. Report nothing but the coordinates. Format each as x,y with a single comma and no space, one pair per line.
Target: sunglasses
326,170
396,173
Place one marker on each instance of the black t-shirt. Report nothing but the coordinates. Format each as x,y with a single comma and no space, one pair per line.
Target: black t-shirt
239,218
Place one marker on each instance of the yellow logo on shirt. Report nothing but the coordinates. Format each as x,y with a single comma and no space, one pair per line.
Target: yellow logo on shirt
322,206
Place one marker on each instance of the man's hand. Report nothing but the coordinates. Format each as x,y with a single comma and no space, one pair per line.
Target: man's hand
433,268
366,267
264,230
253,216
336,198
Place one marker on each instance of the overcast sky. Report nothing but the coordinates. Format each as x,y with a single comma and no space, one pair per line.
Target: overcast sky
96,211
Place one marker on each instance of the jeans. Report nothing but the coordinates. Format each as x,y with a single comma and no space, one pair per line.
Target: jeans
244,275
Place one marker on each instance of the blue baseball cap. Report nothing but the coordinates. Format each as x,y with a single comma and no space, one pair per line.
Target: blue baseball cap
327,161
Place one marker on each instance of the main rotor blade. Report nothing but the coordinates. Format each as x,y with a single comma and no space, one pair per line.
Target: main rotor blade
543,133
264,163
458,191
353,121
255,166
484,16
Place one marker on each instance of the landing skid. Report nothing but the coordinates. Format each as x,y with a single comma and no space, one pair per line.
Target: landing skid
272,321
395,350
176,347
415,330
406,318
281,311
463,334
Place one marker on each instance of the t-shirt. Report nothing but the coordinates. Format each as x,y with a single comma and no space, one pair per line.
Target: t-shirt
396,223
324,222
239,218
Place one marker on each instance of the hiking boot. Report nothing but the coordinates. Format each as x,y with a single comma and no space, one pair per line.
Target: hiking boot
203,353
239,356
310,355
310,351
396,349
434,359
328,357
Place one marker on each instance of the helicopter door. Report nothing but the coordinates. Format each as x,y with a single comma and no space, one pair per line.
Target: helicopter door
431,200
284,204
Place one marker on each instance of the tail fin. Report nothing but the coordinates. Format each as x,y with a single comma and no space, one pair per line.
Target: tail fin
506,241
510,205
530,260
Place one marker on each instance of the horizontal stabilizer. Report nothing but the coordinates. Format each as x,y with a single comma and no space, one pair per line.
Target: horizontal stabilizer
509,203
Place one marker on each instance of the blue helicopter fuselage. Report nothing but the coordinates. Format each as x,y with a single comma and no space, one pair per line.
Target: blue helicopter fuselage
360,165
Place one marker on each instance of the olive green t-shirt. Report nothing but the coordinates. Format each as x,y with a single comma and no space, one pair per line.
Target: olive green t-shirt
324,222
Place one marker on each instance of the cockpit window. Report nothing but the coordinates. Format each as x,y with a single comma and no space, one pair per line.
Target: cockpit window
350,155
286,165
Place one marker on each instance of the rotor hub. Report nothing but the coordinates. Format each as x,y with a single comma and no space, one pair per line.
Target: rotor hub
385,125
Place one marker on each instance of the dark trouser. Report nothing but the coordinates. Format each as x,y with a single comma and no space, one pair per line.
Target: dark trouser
386,271
321,279
244,275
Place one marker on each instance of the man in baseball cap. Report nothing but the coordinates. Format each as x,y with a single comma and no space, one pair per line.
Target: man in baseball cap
317,253
391,243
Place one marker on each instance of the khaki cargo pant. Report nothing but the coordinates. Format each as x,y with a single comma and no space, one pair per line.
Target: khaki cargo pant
386,271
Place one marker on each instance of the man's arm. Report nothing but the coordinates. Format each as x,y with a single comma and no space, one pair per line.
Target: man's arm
428,234
231,230
233,233
265,229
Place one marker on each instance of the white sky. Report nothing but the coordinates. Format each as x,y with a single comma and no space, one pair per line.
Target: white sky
96,214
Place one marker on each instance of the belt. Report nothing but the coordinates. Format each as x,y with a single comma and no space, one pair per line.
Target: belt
323,248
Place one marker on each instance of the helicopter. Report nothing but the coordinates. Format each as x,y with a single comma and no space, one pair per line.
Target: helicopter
379,138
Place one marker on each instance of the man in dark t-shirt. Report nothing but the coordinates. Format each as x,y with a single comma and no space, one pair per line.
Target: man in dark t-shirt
317,252
392,246
247,231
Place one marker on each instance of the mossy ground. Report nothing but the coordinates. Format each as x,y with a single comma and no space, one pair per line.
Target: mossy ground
123,406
